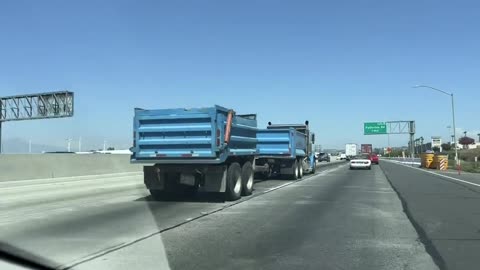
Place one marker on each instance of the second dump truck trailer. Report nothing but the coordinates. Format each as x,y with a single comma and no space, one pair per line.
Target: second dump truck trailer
188,150
286,150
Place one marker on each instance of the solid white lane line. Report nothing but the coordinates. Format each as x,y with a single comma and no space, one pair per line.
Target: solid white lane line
274,188
300,180
442,175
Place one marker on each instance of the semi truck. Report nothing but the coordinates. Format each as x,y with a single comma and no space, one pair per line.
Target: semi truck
285,149
366,148
190,150
350,150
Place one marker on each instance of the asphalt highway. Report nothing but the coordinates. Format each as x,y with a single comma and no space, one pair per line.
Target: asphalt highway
445,209
335,219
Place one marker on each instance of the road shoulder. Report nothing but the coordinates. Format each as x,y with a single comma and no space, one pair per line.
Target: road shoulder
444,212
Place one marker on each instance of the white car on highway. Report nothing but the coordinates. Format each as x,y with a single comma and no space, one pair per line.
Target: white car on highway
361,162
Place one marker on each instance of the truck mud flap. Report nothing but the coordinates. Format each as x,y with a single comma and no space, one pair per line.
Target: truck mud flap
215,179
152,178
287,167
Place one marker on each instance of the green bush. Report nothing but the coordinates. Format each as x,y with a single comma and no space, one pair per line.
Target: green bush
465,154
469,154
446,146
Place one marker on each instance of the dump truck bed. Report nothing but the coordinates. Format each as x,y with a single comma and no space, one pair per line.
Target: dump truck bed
191,136
281,143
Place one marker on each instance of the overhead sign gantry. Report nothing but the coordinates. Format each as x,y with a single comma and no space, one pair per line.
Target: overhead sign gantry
35,106
391,127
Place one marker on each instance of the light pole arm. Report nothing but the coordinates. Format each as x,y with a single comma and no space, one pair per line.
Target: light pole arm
433,88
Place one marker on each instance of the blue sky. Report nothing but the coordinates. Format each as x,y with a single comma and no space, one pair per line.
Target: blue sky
335,63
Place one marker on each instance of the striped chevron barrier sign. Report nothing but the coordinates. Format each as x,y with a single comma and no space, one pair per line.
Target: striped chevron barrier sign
443,164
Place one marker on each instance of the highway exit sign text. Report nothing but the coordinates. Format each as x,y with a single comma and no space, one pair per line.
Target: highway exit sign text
374,128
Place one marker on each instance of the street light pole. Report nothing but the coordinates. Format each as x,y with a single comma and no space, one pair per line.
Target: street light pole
453,118
454,133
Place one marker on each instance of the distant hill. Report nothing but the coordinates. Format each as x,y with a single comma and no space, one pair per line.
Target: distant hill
20,146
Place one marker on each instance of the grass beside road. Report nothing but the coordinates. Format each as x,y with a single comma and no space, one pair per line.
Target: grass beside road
467,160
467,166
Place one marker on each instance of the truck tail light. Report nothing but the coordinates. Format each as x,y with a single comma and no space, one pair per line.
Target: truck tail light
228,128
218,137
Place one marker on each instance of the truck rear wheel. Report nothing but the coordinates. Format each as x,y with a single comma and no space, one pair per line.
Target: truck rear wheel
300,169
247,178
234,182
294,176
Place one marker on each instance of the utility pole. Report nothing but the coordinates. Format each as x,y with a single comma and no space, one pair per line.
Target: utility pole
104,145
388,140
412,135
421,144
80,144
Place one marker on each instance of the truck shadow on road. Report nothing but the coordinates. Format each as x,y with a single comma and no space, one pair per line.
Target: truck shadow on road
201,197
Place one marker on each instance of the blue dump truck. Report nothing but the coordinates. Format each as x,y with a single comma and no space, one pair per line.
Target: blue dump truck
286,150
188,150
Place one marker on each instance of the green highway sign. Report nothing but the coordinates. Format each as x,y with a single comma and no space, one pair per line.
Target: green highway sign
374,128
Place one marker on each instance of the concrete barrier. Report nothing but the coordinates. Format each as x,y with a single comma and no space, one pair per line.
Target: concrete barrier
40,166
37,166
